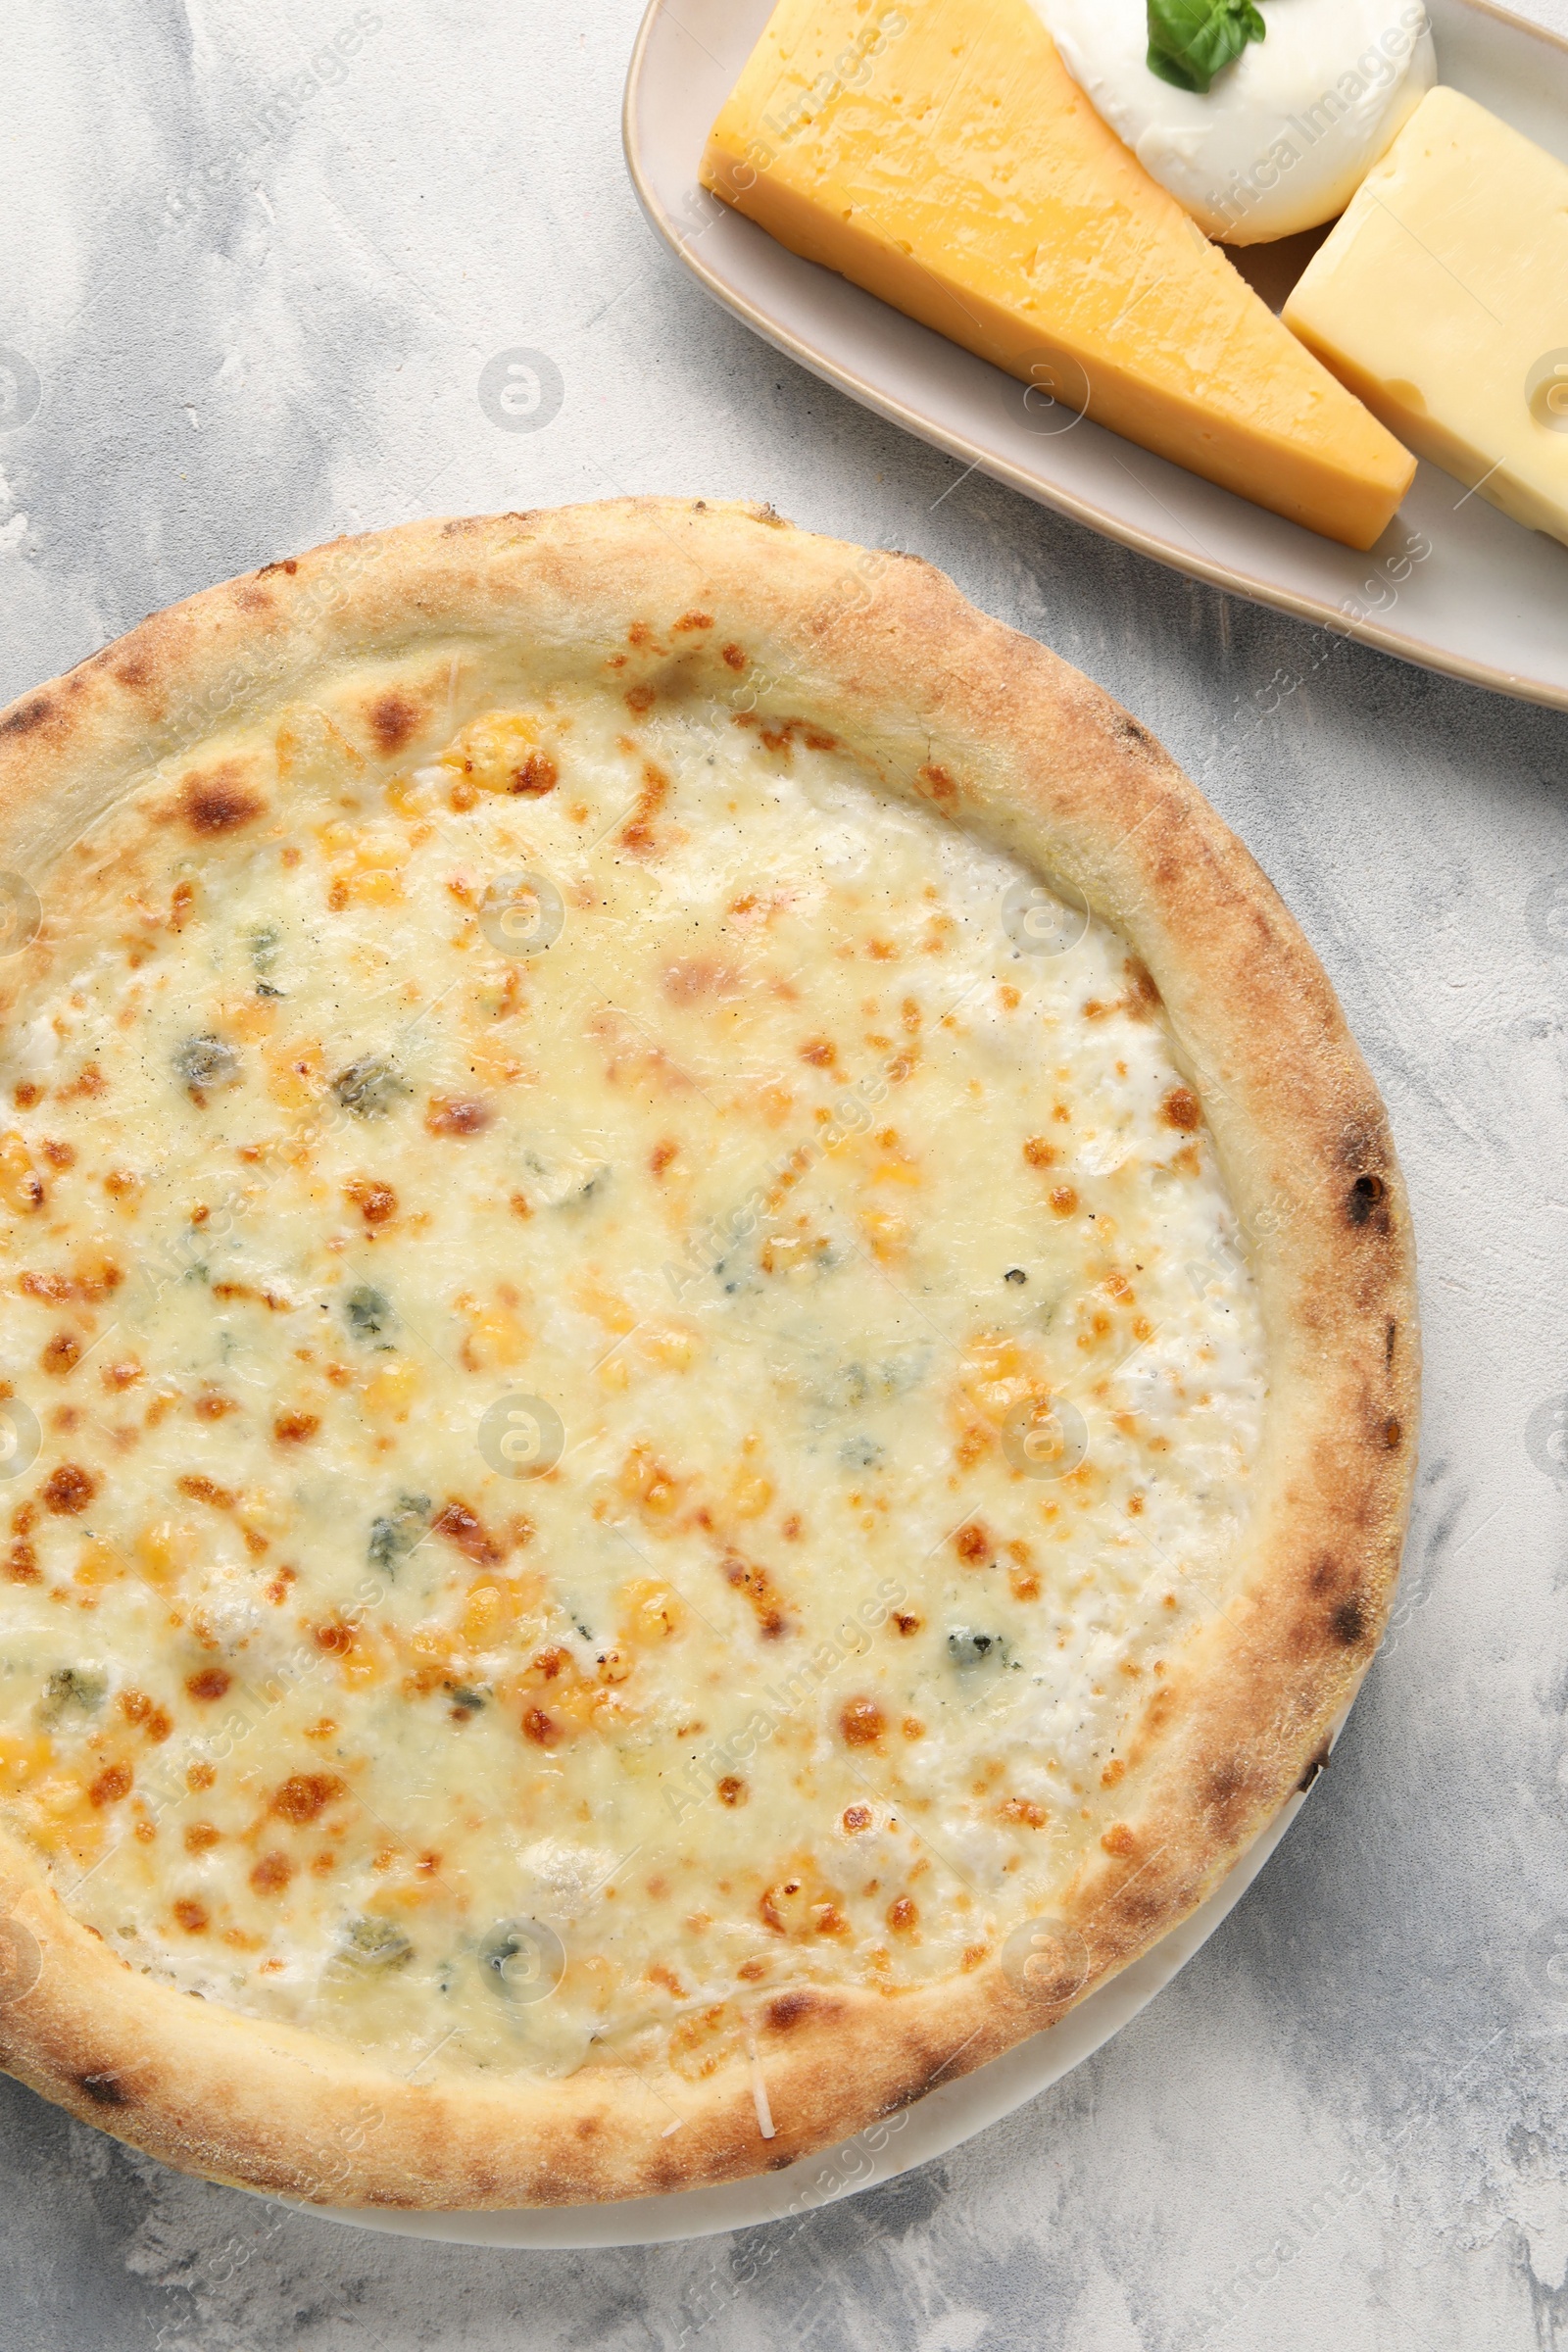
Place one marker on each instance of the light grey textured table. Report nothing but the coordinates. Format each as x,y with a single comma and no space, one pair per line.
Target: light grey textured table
259,311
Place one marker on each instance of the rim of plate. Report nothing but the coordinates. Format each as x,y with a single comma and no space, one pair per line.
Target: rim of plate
935,2125
1412,649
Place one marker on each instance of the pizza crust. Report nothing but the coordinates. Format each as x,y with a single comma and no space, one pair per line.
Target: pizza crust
993,731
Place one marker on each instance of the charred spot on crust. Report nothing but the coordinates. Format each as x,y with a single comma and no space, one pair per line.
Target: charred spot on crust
1349,1622
790,2009
1391,1434
288,564
1319,1763
1226,1789
1325,1574
219,802
1365,1195
1389,1339
104,2089
393,719
26,717
1128,730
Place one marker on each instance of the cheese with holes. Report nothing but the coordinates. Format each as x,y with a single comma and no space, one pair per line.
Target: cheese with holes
938,153
1442,299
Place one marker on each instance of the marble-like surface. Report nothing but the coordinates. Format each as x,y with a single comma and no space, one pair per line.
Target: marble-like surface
257,313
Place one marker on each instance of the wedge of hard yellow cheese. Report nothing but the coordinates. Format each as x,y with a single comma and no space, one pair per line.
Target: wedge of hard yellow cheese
1442,298
938,153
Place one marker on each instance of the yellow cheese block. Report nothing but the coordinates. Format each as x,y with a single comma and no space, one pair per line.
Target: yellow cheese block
1442,298
938,153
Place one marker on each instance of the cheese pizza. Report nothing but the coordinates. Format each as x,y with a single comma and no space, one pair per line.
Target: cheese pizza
708,1362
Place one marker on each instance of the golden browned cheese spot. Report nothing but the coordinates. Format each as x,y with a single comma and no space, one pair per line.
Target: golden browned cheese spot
111,1784
306,1795
272,1873
637,835
95,1283
903,1916
1037,1152
211,1683
191,1916
296,1429
121,1375
973,1545
335,1638
1063,1199
201,1836
861,1723
695,976
393,720
821,1051
67,1490
906,1622
146,1714
375,1203
61,1353
1024,1809
213,1405
1118,1840
1180,1108
694,621
540,1728
459,1527
219,802
640,699
734,656
456,1116
856,1818
660,1157
760,1589
205,1490
732,1790
534,776
943,788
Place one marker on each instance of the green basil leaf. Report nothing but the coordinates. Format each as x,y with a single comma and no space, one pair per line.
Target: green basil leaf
1190,41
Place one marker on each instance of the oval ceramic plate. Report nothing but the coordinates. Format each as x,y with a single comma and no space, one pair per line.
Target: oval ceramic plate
1452,584
946,2115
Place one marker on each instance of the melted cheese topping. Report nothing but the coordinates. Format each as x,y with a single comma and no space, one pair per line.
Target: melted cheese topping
589,1448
